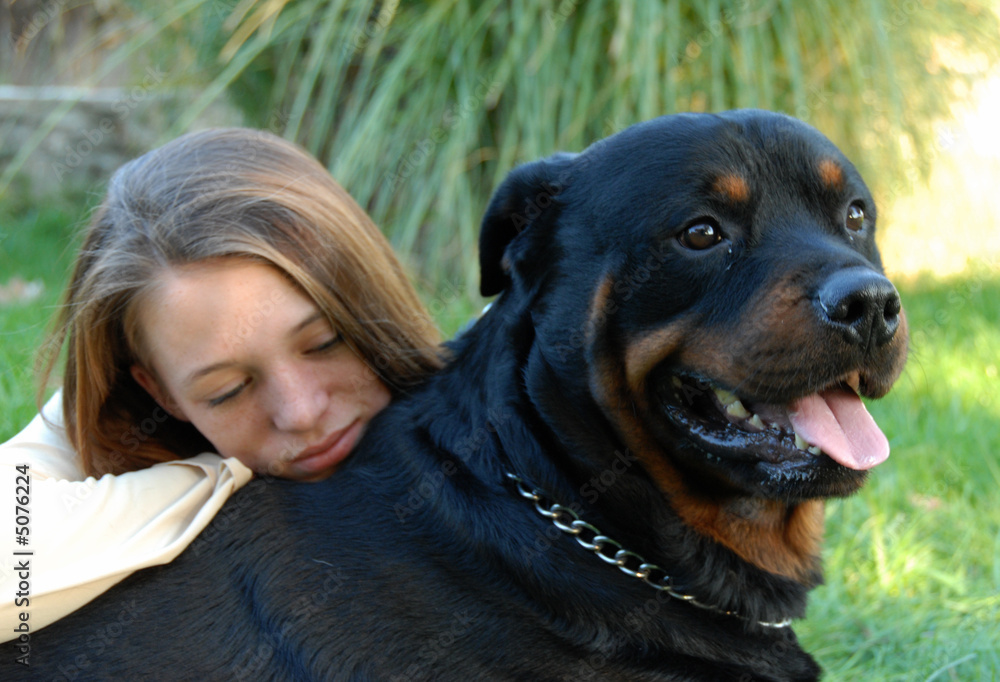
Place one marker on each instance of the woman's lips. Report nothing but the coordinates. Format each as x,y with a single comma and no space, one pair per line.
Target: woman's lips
329,453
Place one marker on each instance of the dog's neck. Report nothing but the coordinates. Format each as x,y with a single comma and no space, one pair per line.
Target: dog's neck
780,538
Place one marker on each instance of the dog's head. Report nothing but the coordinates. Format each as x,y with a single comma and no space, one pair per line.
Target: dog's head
711,284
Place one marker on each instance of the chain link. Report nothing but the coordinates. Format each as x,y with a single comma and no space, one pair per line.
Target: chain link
612,552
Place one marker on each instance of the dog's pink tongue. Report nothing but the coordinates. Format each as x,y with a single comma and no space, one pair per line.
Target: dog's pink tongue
837,422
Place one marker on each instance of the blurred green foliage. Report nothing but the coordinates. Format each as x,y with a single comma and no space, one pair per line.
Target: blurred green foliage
420,108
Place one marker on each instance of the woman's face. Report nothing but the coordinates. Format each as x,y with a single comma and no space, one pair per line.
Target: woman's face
248,358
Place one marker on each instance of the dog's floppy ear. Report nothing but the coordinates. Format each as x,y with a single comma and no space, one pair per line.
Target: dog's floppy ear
523,199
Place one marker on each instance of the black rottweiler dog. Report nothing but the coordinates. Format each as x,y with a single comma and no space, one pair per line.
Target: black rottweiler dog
620,474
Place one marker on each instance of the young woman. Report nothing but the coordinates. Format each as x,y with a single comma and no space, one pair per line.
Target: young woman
229,298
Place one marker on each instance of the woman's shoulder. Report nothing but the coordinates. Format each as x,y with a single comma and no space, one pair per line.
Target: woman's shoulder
42,445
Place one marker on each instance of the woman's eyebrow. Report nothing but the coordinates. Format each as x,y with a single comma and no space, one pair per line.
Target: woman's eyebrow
318,315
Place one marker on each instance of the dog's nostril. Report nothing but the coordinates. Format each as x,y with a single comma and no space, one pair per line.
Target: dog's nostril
892,306
849,311
862,304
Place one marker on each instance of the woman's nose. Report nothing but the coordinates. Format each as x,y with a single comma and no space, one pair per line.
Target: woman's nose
298,400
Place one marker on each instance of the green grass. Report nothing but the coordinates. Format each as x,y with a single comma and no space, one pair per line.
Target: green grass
912,562
35,244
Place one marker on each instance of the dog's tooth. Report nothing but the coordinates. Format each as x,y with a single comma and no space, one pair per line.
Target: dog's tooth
800,442
757,422
676,381
814,450
737,410
732,404
724,396
854,381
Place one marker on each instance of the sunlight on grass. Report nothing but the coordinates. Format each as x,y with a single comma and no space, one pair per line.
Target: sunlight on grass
913,562
954,219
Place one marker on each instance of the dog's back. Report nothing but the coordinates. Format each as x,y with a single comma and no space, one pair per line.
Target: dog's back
401,567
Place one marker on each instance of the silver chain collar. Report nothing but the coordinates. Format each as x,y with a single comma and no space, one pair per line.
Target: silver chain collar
627,561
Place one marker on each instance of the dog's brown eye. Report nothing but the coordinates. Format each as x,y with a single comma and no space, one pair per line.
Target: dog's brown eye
855,218
699,237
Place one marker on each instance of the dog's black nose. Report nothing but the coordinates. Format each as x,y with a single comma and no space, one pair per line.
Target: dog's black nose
861,303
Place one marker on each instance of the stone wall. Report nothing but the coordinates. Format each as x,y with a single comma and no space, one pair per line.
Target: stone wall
64,138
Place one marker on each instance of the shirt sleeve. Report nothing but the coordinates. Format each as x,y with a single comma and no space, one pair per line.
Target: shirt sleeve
86,534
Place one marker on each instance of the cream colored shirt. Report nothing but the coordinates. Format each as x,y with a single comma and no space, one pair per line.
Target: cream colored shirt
86,534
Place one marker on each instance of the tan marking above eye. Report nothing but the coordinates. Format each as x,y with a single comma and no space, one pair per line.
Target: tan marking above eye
831,173
733,187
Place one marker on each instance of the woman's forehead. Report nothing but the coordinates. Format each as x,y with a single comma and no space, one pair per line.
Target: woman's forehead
210,312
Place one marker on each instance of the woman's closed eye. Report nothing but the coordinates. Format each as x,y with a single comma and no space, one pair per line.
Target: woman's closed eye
329,344
320,348
232,393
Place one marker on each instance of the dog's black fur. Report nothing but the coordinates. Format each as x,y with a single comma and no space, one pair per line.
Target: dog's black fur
420,561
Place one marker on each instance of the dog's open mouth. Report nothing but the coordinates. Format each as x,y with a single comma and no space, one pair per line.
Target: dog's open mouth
831,422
